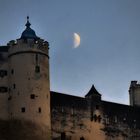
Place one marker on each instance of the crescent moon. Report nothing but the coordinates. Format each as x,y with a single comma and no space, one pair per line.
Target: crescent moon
76,40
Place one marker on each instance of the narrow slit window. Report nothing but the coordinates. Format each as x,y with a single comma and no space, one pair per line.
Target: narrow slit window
9,90
5,73
36,57
39,109
12,71
99,118
14,86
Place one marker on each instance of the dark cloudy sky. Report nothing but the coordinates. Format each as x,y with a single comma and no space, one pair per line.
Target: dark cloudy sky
109,54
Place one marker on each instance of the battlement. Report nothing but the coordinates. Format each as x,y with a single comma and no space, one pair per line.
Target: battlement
30,45
135,84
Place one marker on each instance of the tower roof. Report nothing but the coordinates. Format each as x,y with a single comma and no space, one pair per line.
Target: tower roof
93,91
28,33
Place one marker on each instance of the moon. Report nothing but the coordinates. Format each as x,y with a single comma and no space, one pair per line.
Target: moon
76,40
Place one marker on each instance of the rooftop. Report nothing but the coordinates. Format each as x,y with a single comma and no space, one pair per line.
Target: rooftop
29,33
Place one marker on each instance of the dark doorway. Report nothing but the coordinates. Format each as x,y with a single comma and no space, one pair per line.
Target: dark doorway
63,136
82,138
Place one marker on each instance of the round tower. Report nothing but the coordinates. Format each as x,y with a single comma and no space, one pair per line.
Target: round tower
3,83
29,83
134,93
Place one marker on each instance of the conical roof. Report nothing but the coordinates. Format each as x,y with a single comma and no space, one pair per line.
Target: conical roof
93,91
28,33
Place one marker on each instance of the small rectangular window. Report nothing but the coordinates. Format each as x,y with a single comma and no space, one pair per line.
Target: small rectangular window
39,109
97,107
32,96
12,71
82,138
14,86
3,73
37,69
36,57
3,89
23,109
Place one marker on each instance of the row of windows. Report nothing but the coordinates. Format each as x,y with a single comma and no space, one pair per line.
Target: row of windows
4,72
23,110
4,89
32,96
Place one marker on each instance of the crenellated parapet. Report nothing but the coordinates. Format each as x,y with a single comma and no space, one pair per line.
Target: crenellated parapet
30,45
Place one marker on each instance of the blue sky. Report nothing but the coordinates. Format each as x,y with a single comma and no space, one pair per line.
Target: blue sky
108,55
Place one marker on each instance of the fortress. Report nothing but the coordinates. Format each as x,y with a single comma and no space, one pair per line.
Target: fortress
30,111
